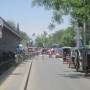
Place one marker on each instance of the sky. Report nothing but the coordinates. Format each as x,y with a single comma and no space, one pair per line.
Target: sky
31,19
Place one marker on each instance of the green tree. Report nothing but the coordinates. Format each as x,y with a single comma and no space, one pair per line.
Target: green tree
61,37
25,38
78,9
39,41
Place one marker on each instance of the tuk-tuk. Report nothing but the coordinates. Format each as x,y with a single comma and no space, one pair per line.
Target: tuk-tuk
72,55
82,59
66,52
86,60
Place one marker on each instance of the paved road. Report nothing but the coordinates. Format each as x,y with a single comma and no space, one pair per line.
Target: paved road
52,74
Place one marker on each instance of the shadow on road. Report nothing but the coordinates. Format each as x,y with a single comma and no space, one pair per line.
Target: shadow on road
9,72
74,76
6,74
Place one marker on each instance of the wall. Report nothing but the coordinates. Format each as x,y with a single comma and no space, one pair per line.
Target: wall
9,41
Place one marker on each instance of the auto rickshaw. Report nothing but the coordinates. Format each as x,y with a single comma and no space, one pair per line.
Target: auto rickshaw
66,52
86,60
83,62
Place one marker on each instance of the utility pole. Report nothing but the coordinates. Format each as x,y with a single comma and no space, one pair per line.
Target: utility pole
77,35
84,27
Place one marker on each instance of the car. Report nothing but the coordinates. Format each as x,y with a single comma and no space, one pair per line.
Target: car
59,53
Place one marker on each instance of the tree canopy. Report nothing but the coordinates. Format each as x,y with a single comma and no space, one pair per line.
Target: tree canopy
61,37
25,38
78,9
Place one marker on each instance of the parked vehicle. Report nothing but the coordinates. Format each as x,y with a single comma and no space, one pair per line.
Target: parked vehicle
66,51
83,60
86,60
50,52
44,50
59,53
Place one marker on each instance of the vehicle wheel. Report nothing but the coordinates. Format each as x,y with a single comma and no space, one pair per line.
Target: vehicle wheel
77,68
86,71
74,65
77,65
64,59
69,65
73,62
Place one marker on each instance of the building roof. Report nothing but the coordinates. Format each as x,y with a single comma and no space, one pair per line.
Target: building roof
3,23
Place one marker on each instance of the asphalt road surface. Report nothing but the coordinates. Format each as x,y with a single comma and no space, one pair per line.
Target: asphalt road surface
52,74
46,74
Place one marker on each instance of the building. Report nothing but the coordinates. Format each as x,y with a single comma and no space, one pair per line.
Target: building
9,37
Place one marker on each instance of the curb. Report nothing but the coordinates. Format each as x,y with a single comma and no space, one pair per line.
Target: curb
26,78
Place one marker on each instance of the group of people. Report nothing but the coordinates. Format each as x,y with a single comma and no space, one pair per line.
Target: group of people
51,52
20,54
